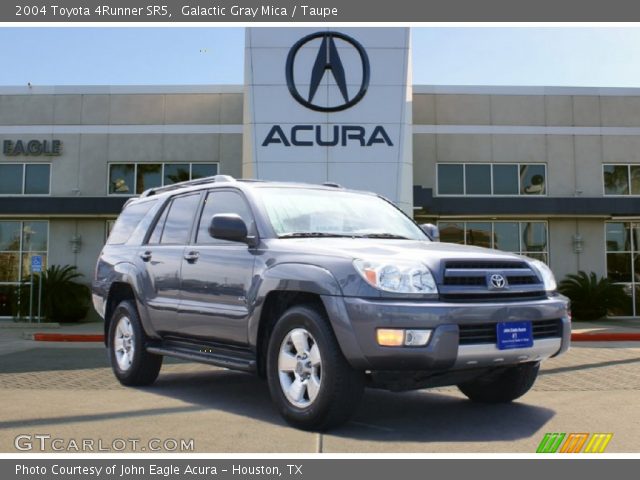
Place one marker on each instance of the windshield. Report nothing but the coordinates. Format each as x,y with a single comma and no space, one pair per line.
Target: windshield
306,212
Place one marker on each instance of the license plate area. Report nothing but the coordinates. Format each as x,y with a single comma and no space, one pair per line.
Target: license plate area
514,335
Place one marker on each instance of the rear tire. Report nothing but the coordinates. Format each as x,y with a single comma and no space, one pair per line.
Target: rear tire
503,386
311,383
130,362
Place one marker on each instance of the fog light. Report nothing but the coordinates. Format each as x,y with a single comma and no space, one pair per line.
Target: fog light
417,338
389,337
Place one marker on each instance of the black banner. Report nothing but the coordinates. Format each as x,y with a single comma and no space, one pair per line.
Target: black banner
316,469
329,11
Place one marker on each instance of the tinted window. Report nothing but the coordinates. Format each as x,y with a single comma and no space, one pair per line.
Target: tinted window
450,179
225,201
157,230
127,222
616,179
505,179
37,178
177,226
11,179
478,179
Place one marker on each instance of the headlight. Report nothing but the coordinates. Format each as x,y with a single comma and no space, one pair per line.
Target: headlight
546,274
398,277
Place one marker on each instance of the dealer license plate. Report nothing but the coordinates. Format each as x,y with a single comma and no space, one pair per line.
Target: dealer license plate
514,335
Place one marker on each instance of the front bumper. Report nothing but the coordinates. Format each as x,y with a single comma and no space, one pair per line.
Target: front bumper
355,321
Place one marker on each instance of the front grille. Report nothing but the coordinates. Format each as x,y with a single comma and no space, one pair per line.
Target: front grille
478,333
522,279
469,280
493,296
485,264
465,281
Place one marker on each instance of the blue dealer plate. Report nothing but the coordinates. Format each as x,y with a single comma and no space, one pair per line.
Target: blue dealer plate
514,335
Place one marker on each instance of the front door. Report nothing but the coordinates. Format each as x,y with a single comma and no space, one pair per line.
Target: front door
217,275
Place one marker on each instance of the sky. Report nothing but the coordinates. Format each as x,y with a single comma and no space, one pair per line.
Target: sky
552,56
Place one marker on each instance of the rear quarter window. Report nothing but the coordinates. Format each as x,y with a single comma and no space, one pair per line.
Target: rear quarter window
127,222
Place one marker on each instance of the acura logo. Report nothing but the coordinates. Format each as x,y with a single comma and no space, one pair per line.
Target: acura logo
327,61
497,281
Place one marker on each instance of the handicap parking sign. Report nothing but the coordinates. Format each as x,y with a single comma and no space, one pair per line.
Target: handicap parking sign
36,264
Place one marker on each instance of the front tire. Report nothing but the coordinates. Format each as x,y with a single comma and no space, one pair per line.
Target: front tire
503,386
311,383
130,362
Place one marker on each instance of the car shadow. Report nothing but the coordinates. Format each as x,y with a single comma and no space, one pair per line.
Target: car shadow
419,416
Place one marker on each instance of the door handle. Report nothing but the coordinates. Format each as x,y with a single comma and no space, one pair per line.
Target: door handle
146,256
192,257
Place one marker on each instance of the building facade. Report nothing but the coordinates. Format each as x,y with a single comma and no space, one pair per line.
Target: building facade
552,173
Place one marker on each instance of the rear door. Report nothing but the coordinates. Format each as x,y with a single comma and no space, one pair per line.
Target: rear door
217,274
161,257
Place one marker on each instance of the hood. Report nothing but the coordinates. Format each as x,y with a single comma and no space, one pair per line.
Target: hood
374,248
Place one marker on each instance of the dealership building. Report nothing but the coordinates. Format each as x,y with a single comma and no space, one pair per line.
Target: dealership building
549,172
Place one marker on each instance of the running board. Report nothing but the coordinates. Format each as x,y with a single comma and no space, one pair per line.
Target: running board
209,357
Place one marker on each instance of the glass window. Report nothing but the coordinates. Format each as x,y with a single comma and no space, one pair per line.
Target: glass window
618,237
148,175
11,179
623,261
506,236
479,234
223,202
478,179
532,179
450,179
37,179
616,179
176,172
619,267
34,236
127,222
156,235
505,179
524,238
451,232
121,178
9,267
179,219
534,237
201,170
19,241
635,180
9,236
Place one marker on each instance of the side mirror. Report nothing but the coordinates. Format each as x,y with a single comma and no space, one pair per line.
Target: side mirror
432,231
229,226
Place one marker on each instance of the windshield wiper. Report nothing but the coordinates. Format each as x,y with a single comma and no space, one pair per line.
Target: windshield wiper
384,235
316,235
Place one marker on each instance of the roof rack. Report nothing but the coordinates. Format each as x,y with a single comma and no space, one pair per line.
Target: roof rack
188,183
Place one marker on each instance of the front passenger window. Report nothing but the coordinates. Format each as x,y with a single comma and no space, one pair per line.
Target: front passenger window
224,201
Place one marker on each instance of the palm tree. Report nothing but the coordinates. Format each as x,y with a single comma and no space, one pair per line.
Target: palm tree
592,298
63,298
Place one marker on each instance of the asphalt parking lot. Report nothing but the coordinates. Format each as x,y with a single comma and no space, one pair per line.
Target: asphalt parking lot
67,391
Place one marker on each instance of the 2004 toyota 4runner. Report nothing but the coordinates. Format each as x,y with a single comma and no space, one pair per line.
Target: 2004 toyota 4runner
321,290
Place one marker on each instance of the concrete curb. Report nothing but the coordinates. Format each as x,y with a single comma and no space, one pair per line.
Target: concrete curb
19,325
66,337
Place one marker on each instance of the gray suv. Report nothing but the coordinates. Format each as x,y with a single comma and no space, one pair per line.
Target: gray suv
323,291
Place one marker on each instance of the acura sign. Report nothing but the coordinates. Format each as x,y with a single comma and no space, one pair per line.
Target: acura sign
328,61
330,106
